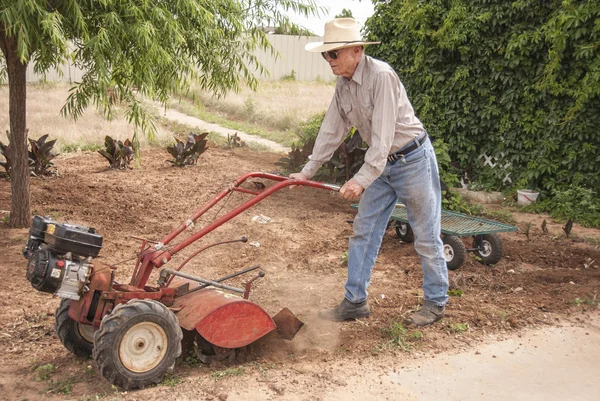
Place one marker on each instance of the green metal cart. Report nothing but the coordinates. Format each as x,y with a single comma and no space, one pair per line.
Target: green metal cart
487,245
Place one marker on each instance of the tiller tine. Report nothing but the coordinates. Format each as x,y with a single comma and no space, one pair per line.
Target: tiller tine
287,324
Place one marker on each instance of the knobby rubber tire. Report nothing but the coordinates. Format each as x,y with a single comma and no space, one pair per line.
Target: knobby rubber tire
68,332
115,326
493,244
458,250
407,236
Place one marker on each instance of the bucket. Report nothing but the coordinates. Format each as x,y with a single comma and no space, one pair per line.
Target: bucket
526,196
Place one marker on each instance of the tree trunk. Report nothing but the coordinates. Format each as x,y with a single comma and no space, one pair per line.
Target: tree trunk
20,215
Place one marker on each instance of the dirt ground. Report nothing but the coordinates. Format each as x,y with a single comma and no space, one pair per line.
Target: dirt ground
544,279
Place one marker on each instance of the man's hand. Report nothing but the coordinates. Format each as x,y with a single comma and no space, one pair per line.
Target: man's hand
297,176
351,190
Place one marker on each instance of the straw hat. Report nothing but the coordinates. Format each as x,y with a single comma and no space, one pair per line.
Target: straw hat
339,33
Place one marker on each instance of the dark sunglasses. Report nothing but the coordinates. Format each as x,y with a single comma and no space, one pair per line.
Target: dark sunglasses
332,54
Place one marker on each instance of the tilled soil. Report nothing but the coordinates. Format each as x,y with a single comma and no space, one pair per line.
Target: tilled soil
543,279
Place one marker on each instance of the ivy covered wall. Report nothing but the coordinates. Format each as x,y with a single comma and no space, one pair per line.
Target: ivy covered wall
516,80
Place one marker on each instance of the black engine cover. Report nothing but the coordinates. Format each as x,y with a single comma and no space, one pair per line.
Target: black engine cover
43,272
79,240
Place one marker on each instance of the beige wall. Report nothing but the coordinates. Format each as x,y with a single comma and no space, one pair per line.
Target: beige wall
292,56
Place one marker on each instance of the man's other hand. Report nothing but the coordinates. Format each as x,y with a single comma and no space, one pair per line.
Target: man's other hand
297,176
351,190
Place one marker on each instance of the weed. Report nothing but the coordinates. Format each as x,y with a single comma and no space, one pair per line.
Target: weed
587,303
61,386
90,371
219,374
401,336
234,141
192,360
291,77
171,381
455,292
502,315
6,218
344,258
458,327
527,230
44,372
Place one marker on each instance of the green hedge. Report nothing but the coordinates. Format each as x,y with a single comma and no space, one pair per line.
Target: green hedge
518,80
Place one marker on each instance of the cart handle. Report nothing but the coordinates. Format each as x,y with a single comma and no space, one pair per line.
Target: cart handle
160,257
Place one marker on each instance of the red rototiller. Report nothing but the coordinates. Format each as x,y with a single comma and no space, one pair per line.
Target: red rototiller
134,331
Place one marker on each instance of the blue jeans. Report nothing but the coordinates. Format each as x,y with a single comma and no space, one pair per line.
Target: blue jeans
414,181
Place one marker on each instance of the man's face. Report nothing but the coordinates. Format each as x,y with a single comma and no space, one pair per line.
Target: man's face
346,61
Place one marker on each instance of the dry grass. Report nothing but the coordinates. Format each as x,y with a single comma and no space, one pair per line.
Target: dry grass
279,105
43,117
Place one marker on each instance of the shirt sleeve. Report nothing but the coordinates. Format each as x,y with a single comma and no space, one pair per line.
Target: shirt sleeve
386,90
331,134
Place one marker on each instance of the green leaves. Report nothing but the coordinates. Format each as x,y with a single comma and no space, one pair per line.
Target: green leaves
518,81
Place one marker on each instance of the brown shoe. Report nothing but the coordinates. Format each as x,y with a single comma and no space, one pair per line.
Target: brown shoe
346,311
427,314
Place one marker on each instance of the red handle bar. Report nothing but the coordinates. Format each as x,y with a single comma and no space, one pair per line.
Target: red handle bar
159,257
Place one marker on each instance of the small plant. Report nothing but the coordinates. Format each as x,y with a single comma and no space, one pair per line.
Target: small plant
455,292
458,327
119,154
192,360
527,230
6,218
187,153
219,374
43,372
344,258
401,336
61,386
234,141
41,155
171,381
587,303
291,77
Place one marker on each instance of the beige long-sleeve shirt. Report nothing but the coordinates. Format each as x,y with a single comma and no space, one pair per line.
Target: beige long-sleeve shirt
375,102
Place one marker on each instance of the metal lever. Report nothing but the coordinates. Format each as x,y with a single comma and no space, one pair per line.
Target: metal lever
249,283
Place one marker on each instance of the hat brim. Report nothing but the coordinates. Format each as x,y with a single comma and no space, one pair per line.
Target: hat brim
318,47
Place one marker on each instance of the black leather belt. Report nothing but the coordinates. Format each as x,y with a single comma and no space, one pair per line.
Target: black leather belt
403,152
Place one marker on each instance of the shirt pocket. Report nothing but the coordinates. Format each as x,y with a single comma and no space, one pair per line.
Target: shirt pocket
366,110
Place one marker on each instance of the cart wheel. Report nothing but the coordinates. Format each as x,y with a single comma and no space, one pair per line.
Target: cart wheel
405,232
490,250
137,344
454,251
76,337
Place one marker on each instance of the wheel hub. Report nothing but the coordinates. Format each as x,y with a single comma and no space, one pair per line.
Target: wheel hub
486,249
403,228
448,253
86,331
143,347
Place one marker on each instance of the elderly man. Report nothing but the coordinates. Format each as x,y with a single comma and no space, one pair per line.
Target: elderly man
400,164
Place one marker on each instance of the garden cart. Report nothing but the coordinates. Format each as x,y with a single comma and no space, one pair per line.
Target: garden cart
134,331
486,244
